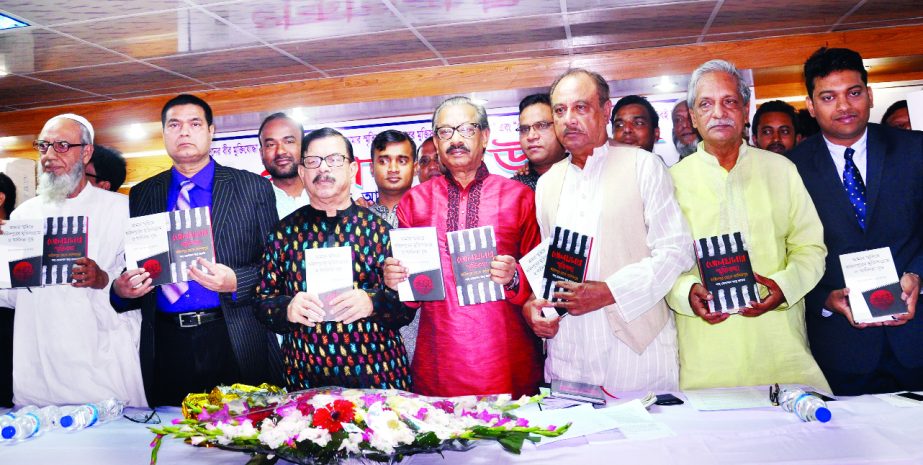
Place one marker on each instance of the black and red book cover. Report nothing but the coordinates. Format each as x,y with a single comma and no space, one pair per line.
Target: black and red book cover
166,244
471,251
418,251
190,238
21,247
65,242
568,256
885,300
727,274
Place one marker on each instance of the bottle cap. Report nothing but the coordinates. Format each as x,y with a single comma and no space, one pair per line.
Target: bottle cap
822,414
66,421
8,432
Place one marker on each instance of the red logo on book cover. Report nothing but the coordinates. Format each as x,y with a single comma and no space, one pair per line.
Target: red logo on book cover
153,267
22,271
881,299
423,284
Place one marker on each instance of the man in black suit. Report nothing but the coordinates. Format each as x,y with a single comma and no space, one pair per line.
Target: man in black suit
866,181
199,334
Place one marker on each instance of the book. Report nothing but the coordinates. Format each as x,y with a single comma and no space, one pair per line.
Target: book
418,251
21,247
65,241
471,251
533,264
167,244
577,391
727,274
328,273
567,259
874,287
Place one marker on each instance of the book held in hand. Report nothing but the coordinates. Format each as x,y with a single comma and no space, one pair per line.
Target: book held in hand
328,273
418,251
471,251
65,242
727,274
167,244
567,259
874,287
21,246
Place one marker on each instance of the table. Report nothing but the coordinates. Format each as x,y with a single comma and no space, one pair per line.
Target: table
863,430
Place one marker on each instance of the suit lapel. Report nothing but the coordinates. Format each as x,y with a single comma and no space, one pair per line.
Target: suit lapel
875,150
157,201
223,195
830,181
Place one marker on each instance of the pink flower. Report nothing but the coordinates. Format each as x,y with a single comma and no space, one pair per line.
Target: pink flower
370,399
552,427
522,422
445,405
421,414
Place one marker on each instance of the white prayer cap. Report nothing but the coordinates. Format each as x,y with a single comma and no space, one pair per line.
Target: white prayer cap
83,121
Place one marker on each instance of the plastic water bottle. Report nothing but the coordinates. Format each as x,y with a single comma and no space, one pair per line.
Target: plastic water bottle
88,415
30,421
6,420
807,407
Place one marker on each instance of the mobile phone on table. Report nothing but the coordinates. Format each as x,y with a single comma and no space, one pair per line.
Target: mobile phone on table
668,399
911,396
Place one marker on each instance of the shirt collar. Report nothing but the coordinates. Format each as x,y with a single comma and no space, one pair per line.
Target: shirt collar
858,146
742,153
203,179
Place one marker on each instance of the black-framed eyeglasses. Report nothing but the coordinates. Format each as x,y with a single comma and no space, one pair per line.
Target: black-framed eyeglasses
539,126
59,146
144,417
89,175
467,130
333,160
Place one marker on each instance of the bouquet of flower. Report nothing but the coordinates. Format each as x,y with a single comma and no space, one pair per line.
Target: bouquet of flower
327,425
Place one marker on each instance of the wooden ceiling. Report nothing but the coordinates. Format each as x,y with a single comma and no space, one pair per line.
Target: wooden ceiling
83,51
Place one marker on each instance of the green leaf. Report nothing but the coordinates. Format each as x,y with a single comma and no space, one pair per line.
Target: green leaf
512,443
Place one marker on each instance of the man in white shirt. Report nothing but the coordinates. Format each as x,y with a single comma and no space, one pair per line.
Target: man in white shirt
619,333
69,345
280,146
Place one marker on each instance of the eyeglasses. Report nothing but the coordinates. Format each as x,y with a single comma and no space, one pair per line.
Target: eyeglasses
467,130
539,126
59,146
144,417
425,161
333,160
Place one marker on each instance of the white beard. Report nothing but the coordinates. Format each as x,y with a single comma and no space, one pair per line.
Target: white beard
58,188
685,150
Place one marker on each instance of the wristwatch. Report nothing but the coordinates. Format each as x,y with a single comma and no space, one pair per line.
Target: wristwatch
513,285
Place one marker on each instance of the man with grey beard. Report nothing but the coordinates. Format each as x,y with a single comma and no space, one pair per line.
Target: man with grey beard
685,137
69,346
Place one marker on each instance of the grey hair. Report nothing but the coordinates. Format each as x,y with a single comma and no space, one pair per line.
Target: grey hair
85,137
717,66
602,87
479,109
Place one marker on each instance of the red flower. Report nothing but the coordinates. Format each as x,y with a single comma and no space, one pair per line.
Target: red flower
332,416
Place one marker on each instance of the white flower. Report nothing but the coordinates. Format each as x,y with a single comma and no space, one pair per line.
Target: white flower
351,443
196,440
319,436
388,431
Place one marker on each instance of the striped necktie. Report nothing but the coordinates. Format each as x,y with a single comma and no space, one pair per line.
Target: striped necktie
855,188
174,291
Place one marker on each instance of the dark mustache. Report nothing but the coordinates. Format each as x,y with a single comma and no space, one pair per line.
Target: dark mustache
323,178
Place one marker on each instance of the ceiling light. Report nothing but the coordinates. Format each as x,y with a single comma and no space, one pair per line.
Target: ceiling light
9,22
479,101
297,114
135,132
665,84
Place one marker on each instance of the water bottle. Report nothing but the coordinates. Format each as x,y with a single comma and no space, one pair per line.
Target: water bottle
807,407
88,415
6,420
30,421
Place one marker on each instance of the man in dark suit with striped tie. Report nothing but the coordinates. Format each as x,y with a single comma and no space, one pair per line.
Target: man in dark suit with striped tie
202,333
866,181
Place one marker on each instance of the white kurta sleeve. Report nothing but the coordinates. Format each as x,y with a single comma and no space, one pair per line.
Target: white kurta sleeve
637,287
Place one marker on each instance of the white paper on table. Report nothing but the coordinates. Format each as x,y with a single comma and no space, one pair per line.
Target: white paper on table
328,272
729,398
915,109
635,422
584,419
864,271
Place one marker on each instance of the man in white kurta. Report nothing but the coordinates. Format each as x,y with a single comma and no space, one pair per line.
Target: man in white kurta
69,345
619,333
